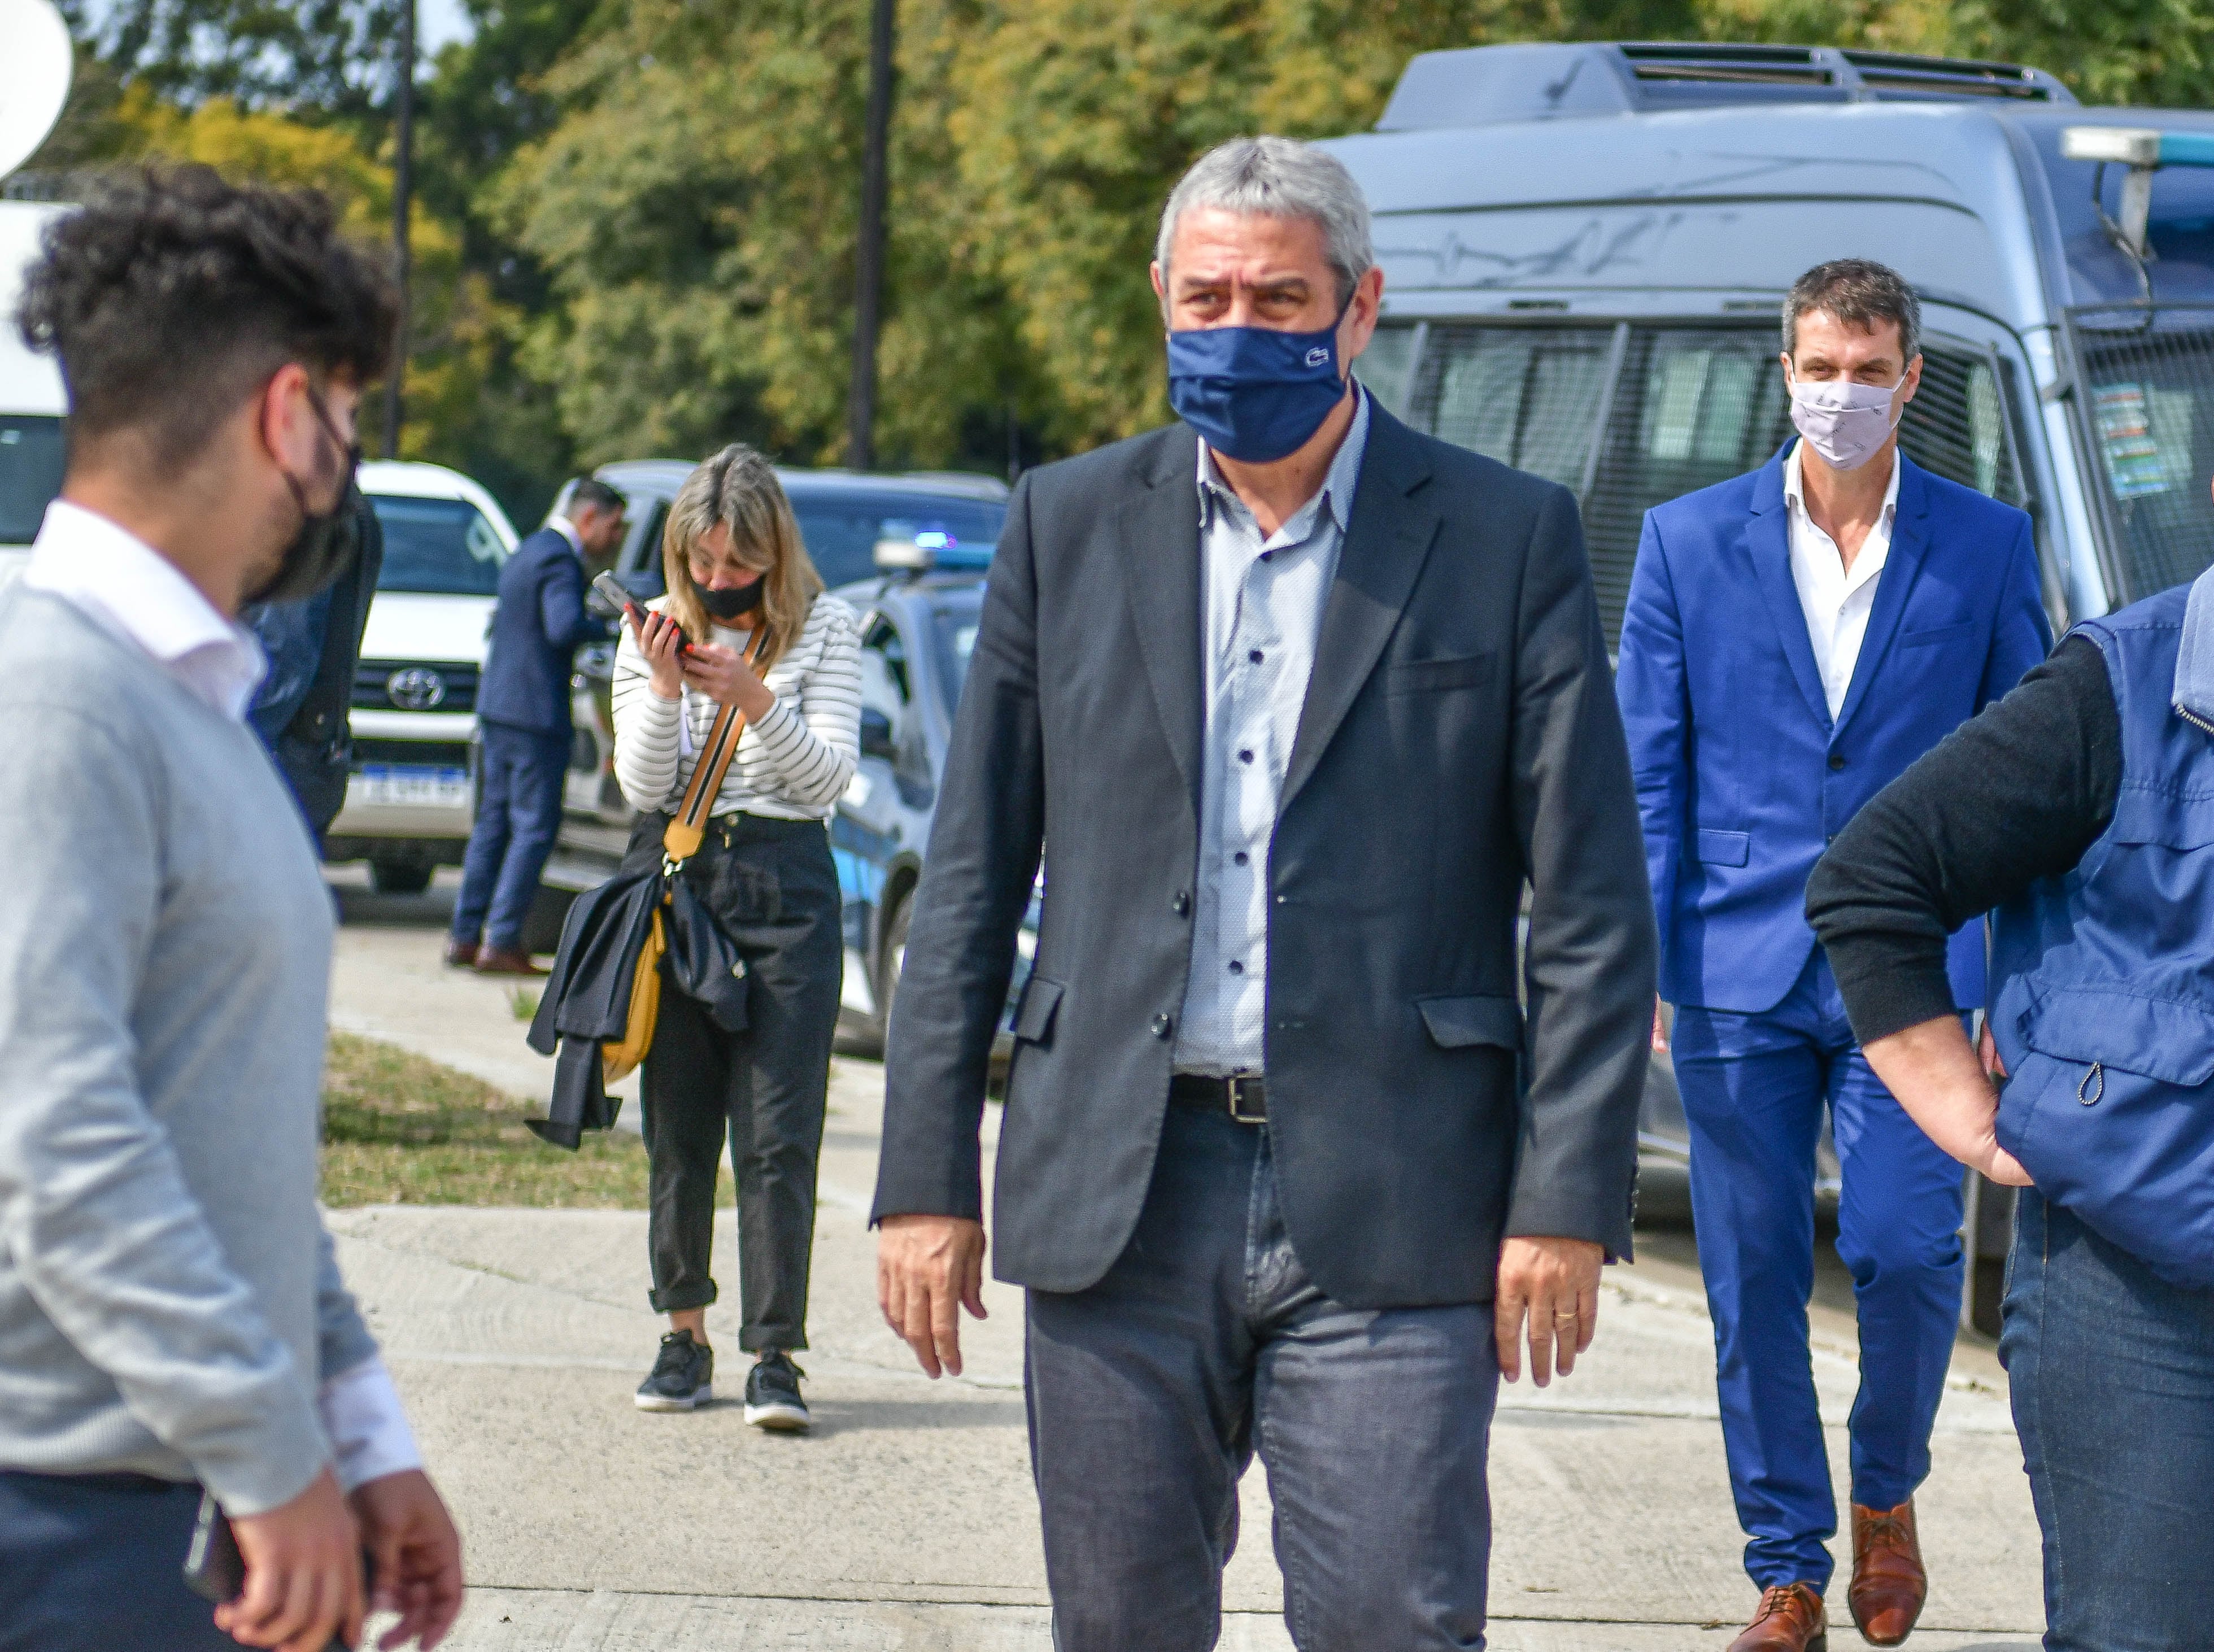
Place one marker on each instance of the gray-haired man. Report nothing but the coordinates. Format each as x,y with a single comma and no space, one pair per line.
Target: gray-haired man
1300,698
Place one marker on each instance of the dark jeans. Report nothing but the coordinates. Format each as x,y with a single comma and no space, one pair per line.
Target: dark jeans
1754,1089
524,772
2113,1374
94,1563
1149,1392
772,886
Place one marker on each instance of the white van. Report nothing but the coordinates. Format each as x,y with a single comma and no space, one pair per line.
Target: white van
410,802
32,401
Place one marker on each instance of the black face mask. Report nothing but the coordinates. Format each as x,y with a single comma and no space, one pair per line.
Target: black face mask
732,605
327,541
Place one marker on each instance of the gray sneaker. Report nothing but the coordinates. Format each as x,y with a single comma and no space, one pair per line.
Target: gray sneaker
773,1398
683,1376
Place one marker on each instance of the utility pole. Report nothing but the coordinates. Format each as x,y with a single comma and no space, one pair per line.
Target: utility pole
869,253
403,188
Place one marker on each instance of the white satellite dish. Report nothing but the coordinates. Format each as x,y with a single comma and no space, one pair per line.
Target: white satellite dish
35,61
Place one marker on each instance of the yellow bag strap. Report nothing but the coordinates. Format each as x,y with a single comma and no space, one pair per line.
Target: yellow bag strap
687,827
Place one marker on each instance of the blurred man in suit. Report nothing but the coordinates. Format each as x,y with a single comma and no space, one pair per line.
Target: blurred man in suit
1795,638
1300,698
523,721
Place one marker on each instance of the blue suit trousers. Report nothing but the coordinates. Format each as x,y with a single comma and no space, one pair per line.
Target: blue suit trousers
524,772
94,1562
1754,1088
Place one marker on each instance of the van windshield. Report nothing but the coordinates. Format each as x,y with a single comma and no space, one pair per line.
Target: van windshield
841,528
30,472
2150,410
443,548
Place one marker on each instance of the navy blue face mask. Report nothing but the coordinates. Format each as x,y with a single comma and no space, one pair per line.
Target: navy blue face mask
1254,393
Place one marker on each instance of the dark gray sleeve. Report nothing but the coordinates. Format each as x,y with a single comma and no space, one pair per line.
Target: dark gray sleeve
2011,795
977,873
1589,967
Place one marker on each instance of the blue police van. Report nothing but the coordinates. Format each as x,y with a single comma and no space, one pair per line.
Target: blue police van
1585,247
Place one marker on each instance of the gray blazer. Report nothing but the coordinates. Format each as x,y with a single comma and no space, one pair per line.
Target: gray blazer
1460,736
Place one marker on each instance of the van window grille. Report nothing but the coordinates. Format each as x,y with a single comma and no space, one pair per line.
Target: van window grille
1690,406
1524,396
2145,410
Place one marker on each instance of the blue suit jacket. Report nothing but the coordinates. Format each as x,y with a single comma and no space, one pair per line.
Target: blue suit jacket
535,631
1742,778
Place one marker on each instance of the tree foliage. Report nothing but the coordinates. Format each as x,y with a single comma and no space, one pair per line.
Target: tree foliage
639,216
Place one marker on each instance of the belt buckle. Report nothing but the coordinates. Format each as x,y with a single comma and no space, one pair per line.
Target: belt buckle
1237,1086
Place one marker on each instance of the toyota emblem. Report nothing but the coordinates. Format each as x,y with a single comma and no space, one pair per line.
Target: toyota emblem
415,690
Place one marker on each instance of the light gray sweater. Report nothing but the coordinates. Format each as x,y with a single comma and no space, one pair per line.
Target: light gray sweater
169,1302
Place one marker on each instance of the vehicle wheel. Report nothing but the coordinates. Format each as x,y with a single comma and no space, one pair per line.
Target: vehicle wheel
399,876
891,958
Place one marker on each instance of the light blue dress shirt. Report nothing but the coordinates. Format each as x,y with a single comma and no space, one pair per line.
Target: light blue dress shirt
1262,598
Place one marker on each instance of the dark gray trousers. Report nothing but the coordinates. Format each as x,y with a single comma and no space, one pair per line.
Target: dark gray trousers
772,886
94,1562
1149,1393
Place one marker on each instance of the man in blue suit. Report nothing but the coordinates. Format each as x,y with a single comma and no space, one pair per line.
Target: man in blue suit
522,722
1794,639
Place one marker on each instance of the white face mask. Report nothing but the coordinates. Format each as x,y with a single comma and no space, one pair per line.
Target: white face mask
1845,422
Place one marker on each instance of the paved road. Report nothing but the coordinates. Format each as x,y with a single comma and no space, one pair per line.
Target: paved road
905,1520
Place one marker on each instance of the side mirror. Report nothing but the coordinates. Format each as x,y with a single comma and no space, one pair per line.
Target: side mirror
877,735
904,556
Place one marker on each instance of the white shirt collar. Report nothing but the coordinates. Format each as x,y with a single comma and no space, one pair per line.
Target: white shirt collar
561,525
136,594
1795,493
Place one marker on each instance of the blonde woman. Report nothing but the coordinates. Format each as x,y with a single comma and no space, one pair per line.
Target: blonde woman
734,566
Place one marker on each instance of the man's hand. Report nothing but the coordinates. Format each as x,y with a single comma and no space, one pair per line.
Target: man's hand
1947,1090
303,1574
925,1266
1555,1283
417,1555
1659,1028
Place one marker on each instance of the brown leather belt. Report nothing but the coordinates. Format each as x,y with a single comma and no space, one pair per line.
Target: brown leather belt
1245,1098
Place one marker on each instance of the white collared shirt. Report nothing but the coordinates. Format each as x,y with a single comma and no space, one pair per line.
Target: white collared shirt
136,595
1262,597
561,525
1837,603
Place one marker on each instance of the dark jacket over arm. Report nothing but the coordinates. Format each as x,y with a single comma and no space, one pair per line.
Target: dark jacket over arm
2017,794
1458,734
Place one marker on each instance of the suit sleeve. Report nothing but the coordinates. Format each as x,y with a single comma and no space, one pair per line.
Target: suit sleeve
1656,717
2021,636
982,858
1588,967
561,609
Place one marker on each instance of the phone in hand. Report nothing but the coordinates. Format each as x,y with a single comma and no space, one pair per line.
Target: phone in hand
612,593
216,1571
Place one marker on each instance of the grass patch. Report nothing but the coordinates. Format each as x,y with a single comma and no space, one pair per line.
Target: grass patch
399,1129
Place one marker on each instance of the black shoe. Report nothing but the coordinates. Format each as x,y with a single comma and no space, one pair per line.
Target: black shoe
773,1398
683,1376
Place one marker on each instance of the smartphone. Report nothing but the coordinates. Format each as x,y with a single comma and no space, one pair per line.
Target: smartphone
216,1571
612,593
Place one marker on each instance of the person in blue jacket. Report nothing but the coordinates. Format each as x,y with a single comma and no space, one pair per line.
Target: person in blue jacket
523,721
1794,639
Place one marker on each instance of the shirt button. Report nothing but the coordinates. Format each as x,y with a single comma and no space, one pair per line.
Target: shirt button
1161,1023
1180,903
1255,656
1245,756
1241,857
1837,760
1236,968
1265,555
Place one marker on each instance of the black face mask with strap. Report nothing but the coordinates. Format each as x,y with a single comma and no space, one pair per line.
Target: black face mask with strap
328,540
734,603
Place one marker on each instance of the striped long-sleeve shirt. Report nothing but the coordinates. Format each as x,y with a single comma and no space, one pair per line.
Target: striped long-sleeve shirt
790,764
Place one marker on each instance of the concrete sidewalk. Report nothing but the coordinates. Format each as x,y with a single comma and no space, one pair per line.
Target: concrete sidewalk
905,1520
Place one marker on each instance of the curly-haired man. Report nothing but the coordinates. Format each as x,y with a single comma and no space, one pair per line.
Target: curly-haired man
171,1315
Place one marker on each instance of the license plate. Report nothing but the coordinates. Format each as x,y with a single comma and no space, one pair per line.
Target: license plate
416,785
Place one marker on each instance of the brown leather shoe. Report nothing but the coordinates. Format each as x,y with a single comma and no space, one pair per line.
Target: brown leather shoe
505,961
1888,1583
460,954
1790,1620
